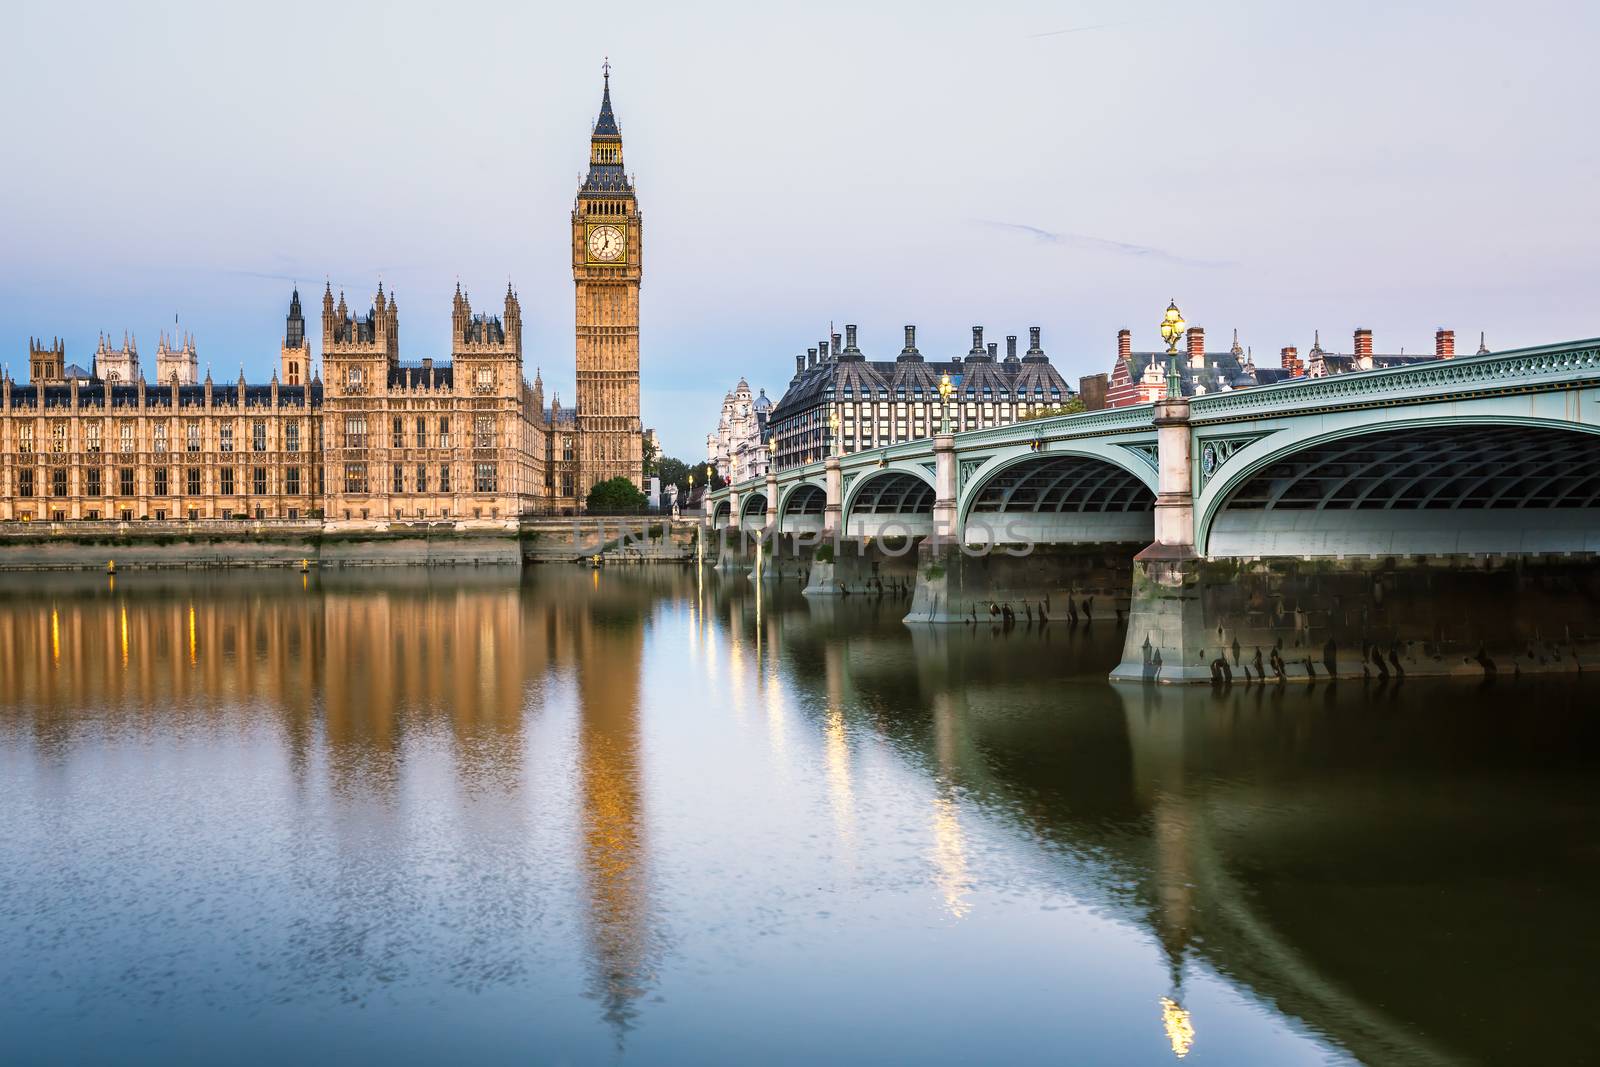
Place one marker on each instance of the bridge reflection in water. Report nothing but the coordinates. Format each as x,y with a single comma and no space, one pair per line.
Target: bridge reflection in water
439,773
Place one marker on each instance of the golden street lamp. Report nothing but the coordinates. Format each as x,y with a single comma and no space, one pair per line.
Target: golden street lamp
945,389
772,450
1172,326
837,442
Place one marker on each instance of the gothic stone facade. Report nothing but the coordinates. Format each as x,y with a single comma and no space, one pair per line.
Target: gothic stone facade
373,440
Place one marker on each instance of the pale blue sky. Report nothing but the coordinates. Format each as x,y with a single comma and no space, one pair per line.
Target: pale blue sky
1276,167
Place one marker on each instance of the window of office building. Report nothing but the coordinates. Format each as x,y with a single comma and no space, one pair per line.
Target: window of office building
92,481
191,436
161,481
225,437
355,478
291,480
291,435
422,478
444,478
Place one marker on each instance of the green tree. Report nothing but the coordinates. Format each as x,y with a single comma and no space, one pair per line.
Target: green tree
615,494
1072,407
673,472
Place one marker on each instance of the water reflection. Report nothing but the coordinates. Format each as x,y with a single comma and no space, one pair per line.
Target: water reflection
433,772
611,791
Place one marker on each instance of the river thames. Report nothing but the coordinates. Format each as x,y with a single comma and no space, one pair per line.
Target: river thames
562,816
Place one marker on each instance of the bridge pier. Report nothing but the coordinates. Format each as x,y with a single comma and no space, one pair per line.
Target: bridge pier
1370,619
832,508
870,566
1065,584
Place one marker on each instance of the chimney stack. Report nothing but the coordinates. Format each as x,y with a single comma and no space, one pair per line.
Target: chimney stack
1124,345
911,338
799,365
837,347
994,350
1197,347
1011,346
1033,342
1290,361
1363,348
977,341
811,357
849,338
822,351
1444,343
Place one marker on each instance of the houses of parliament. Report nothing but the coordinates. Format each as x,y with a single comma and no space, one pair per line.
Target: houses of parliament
371,439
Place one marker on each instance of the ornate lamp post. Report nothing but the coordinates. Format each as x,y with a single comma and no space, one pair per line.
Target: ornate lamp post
945,389
772,451
1172,326
837,444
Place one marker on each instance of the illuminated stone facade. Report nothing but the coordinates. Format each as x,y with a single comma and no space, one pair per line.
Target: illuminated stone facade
371,441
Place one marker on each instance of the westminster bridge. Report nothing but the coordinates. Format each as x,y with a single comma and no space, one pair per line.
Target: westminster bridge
1441,518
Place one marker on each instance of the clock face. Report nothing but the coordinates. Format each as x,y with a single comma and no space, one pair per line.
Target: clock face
606,244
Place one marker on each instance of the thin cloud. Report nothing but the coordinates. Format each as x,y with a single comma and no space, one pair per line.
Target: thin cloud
1099,244
1083,29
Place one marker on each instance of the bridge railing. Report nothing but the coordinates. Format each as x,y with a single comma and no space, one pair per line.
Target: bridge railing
1518,370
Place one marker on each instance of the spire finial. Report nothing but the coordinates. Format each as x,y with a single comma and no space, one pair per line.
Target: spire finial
605,70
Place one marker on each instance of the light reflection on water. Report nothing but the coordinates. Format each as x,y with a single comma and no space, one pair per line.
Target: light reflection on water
673,817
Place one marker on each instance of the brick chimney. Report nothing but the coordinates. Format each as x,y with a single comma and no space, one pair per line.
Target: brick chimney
822,351
1197,347
1124,345
1011,347
1291,362
1444,343
1364,348
811,357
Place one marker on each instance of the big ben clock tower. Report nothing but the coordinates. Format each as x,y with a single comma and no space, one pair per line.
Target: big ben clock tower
606,273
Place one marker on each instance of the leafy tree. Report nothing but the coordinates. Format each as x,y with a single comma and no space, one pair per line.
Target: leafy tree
651,451
616,494
1071,407
673,472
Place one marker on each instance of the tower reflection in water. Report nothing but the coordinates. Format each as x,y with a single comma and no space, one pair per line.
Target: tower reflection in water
1355,858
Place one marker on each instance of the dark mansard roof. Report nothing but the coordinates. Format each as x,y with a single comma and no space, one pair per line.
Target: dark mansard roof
851,376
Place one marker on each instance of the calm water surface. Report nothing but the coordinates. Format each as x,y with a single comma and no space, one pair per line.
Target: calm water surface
605,817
